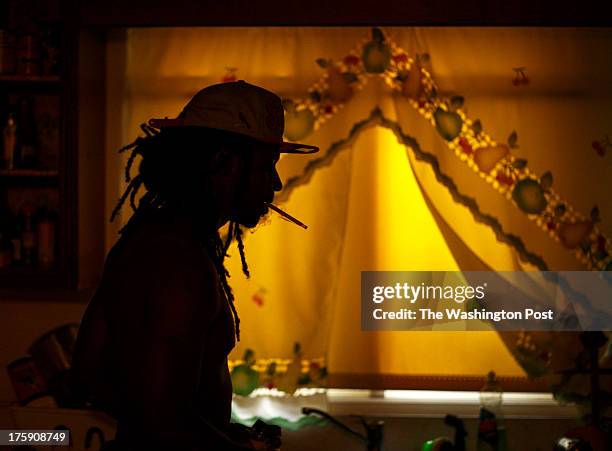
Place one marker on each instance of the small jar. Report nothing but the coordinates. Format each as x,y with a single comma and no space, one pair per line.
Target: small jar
28,54
8,53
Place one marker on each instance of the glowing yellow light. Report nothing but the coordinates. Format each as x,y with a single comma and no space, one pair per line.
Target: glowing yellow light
408,237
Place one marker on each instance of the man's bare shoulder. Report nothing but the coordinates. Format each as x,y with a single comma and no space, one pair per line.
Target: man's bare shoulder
171,269
179,267
157,238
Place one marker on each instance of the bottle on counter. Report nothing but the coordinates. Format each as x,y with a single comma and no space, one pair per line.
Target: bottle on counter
491,429
9,141
27,136
28,236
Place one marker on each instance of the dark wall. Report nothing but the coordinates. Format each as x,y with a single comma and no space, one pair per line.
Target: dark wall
342,12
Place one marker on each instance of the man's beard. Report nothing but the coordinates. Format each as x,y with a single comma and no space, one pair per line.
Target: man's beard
247,214
248,218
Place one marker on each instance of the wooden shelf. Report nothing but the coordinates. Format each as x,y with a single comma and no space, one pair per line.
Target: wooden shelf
27,270
29,177
29,79
29,173
43,293
30,277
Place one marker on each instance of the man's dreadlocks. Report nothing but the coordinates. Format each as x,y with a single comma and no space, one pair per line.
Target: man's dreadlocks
166,185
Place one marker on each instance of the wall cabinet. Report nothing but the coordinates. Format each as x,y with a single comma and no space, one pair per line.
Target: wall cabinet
52,144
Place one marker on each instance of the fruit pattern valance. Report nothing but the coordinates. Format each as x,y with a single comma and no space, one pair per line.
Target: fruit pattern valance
410,77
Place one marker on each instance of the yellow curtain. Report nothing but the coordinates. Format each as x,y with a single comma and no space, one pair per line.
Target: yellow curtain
374,206
564,108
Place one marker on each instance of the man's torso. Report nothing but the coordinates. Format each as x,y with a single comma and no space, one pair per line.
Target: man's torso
119,318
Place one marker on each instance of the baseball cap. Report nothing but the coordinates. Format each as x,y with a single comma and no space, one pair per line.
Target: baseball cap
238,107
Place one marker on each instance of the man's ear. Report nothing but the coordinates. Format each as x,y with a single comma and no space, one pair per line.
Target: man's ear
224,161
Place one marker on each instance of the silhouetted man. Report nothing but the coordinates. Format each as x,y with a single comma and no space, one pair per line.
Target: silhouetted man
153,343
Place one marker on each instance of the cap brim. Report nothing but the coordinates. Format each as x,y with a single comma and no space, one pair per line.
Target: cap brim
285,147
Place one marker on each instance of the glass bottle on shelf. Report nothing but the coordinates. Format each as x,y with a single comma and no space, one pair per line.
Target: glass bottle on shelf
50,33
6,251
8,55
15,237
27,137
45,228
28,236
28,53
6,248
9,140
